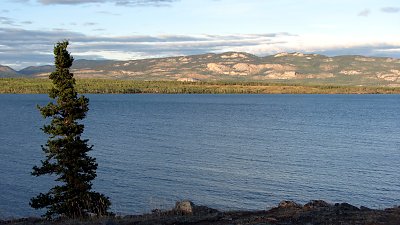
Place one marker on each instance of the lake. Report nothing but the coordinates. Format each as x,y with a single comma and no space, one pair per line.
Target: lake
223,151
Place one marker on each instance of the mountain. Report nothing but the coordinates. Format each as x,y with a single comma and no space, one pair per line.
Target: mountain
6,71
282,67
33,70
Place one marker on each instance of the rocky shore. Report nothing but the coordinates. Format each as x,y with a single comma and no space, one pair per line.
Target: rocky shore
316,212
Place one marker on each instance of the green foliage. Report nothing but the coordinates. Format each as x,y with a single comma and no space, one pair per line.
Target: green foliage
66,153
109,86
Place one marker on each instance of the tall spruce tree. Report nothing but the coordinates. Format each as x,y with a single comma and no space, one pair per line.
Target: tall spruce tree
66,153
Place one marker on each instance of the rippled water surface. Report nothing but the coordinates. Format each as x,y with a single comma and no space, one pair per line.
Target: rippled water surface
225,151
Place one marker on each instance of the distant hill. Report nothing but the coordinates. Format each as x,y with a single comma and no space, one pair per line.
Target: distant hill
6,71
282,67
33,70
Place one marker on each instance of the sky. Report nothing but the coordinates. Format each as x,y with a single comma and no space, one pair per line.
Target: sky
136,29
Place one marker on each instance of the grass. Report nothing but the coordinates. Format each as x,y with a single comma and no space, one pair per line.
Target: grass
108,86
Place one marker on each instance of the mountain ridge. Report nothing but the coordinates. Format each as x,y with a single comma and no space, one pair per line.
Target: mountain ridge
282,67
6,71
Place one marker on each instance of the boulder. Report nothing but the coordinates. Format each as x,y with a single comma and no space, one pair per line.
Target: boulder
184,207
313,204
289,204
346,207
363,208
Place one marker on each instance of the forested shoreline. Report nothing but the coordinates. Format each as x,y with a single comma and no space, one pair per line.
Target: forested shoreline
109,86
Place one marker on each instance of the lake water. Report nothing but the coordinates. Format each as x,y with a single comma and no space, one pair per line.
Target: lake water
224,151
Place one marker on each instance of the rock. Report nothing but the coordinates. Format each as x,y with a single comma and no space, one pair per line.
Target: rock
285,214
350,72
188,79
298,54
234,55
317,204
346,207
289,204
203,210
156,211
271,220
247,68
363,208
218,68
184,207
281,54
364,59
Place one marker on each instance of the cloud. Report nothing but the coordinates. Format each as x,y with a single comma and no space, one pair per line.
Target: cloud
7,21
397,50
365,13
10,22
17,45
108,13
116,2
145,2
379,50
390,9
19,49
68,2
89,24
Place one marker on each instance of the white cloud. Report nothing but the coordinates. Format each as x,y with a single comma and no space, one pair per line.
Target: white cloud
390,50
390,9
17,45
6,21
117,2
365,13
112,55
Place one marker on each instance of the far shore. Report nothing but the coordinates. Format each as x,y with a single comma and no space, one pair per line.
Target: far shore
316,212
109,86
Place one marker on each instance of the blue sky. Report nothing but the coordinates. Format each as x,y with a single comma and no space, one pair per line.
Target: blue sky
133,29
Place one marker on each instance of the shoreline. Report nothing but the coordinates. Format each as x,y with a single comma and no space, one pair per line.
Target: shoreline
315,212
109,86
